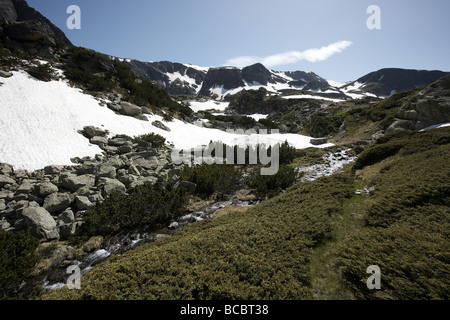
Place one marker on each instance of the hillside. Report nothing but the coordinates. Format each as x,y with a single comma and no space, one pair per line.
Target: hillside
143,175
274,250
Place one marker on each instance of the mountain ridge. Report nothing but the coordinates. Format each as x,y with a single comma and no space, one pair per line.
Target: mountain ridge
220,82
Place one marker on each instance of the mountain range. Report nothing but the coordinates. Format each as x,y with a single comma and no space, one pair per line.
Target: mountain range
225,82
22,27
91,178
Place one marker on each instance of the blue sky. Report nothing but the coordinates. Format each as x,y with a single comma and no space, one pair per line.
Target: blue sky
328,37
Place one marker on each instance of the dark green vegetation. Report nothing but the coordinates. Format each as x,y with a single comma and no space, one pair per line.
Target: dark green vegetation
384,111
215,178
41,72
148,207
241,121
258,101
96,72
224,179
272,185
17,259
155,139
261,254
275,250
407,221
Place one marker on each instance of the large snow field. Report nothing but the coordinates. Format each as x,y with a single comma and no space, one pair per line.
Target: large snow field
39,124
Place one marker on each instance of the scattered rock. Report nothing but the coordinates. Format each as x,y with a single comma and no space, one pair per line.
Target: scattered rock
6,168
83,203
130,109
73,183
67,192
7,195
160,125
58,202
91,132
66,217
124,149
174,225
114,107
161,236
50,170
25,187
4,225
106,170
46,188
111,186
99,141
5,74
40,222
4,180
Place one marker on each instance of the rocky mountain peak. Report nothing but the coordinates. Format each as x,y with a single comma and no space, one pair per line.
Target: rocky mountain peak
257,73
22,27
225,77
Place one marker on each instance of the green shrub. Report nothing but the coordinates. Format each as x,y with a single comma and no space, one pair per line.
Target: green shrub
407,222
411,256
269,124
147,207
88,79
269,251
272,185
287,153
17,259
260,255
376,154
41,72
212,178
155,139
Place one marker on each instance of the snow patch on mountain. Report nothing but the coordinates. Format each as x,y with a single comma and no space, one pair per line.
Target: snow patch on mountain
40,124
197,106
308,96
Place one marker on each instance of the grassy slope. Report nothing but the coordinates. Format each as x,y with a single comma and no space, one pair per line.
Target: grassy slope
304,244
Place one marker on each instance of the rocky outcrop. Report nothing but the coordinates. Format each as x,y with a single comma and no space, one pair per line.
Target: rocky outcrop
127,109
226,78
302,78
258,74
157,72
31,31
431,106
52,202
24,28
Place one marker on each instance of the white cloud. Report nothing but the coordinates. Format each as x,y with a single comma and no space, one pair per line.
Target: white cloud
310,55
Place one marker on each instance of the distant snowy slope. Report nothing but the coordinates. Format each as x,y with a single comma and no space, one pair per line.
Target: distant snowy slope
39,124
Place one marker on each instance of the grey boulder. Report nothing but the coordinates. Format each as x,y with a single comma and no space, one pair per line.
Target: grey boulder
45,189
58,202
73,183
130,109
40,222
4,180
